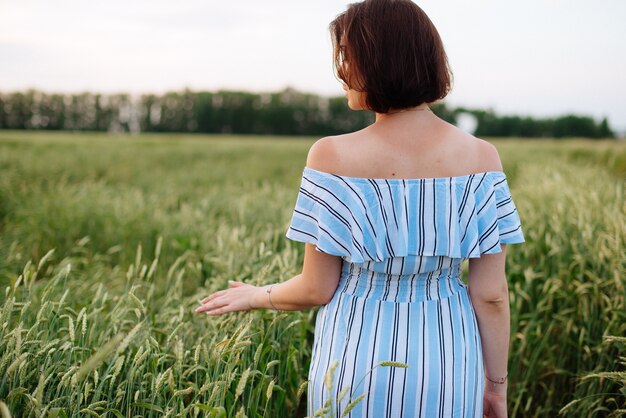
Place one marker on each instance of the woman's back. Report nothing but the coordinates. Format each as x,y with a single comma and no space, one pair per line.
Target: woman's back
402,218
400,297
412,145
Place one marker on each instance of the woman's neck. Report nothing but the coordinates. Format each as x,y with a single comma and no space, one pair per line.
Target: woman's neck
420,111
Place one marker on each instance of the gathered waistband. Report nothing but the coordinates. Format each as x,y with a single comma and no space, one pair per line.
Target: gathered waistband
434,285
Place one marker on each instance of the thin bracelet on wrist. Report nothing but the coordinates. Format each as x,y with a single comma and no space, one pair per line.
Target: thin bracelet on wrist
499,381
269,295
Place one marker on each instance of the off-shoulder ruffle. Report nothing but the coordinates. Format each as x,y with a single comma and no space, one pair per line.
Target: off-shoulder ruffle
363,219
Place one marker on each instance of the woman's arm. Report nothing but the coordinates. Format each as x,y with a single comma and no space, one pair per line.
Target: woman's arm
490,297
314,286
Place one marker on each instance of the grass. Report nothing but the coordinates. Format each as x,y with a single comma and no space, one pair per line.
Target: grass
142,227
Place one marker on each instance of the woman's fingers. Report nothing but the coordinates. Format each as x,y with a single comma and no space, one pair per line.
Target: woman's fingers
208,298
213,296
219,308
220,311
202,308
231,283
217,302
235,298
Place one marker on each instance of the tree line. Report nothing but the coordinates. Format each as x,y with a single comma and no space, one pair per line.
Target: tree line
288,112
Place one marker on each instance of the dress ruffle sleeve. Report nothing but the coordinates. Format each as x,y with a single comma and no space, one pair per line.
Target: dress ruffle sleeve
374,219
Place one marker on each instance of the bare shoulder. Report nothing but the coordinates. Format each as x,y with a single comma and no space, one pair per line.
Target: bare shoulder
479,154
487,155
325,154
469,153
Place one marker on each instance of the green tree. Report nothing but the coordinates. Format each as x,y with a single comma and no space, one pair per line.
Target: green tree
604,131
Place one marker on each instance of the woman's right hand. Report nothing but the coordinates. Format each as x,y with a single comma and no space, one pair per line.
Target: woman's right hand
238,297
494,405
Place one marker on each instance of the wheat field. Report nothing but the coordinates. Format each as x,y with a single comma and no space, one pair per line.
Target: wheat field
108,242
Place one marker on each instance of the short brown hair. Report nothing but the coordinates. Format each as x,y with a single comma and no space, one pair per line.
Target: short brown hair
394,53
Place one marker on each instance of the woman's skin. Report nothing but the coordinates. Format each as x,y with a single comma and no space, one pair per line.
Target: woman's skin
412,143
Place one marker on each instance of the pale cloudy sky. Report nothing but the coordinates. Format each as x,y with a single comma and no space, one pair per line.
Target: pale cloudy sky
534,57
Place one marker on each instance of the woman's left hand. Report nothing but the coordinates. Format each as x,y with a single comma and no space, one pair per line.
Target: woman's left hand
239,297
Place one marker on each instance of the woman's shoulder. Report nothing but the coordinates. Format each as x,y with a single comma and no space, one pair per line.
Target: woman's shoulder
487,157
326,153
459,153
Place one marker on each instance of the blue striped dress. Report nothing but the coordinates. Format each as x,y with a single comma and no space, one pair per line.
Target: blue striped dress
400,295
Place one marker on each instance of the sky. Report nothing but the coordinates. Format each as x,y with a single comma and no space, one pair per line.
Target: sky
535,57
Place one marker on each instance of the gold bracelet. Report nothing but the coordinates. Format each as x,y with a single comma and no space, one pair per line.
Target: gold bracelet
269,295
499,381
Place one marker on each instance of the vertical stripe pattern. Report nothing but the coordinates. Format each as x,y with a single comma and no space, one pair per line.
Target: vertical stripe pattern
400,295
428,324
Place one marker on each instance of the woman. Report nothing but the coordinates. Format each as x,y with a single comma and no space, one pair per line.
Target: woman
388,214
